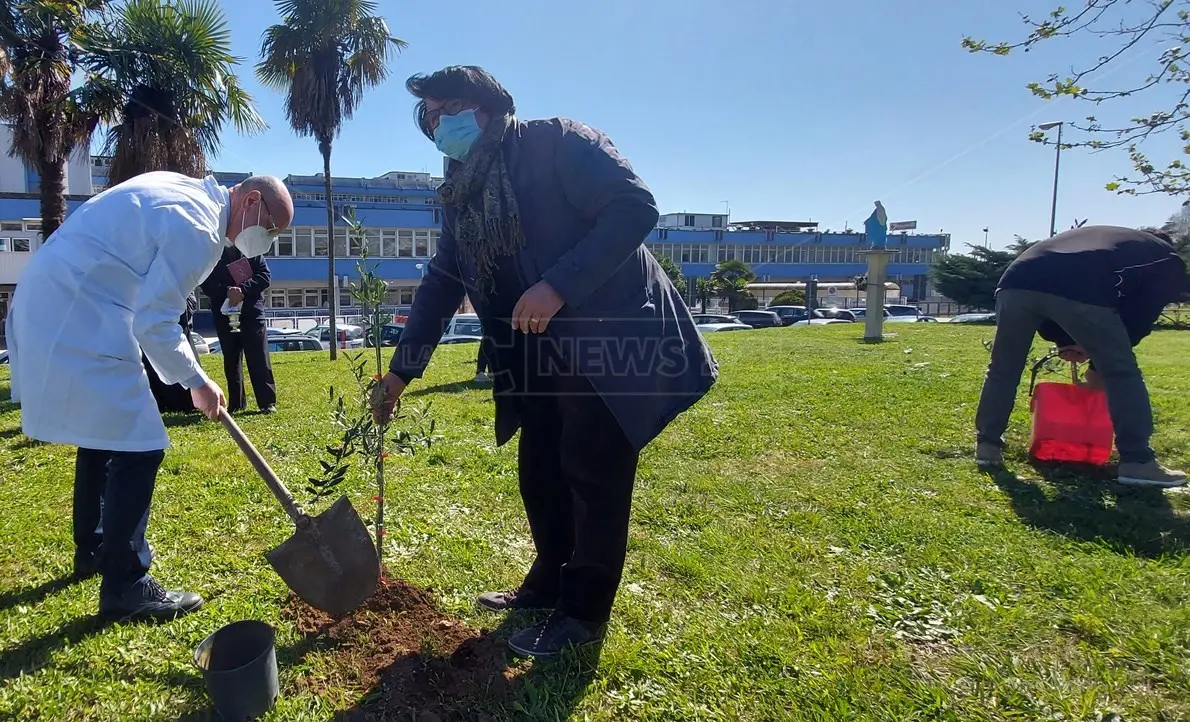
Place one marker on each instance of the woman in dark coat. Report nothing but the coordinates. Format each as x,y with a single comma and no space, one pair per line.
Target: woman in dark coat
592,349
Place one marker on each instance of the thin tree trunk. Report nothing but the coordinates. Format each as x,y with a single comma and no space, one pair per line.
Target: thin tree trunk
53,196
324,146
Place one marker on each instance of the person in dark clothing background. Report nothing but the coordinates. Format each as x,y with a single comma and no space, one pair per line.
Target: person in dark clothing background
176,397
1095,292
481,365
250,343
592,350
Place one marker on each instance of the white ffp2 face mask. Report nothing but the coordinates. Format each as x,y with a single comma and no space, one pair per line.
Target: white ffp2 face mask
253,240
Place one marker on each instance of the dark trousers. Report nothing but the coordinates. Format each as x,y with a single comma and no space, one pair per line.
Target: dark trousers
577,471
250,344
112,494
481,361
1100,332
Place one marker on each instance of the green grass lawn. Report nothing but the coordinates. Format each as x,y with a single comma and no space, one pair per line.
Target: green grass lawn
810,542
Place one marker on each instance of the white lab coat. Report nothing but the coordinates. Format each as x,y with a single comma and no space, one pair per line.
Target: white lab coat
111,281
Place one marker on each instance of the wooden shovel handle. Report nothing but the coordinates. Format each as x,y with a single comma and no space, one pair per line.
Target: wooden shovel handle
262,467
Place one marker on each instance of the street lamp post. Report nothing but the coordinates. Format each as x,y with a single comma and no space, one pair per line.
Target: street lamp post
1057,162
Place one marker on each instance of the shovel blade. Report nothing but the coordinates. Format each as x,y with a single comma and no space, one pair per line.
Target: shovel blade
330,561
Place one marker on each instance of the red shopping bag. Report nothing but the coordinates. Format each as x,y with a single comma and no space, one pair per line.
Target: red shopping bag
1071,422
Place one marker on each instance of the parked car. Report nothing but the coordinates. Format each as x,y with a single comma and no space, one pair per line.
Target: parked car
294,342
720,327
200,344
902,310
464,324
980,318
789,314
704,318
825,316
390,333
355,335
463,328
841,314
759,319
862,313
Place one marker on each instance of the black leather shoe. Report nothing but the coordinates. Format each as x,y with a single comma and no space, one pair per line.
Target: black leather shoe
147,599
554,635
86,565
516,599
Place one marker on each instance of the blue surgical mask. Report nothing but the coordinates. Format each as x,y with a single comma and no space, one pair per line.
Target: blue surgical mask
456,133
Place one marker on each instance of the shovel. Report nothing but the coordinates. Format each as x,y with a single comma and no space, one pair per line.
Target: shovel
329,561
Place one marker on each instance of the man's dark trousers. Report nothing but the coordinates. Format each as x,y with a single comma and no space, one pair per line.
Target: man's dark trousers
250,344
1099,330
113,491
577,471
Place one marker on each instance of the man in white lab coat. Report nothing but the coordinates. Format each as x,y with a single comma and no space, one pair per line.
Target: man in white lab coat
109,283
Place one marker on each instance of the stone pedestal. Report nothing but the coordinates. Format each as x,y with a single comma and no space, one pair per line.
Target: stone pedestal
877,276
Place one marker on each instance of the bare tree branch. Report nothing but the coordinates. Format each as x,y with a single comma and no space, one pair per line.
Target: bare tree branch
1126,31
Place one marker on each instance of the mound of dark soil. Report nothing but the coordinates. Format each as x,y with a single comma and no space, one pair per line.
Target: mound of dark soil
408,658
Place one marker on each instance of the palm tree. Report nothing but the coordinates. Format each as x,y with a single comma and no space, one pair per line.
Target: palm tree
324,54
168,68
38,54
730,280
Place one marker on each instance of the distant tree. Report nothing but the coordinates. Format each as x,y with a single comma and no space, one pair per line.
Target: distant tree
674,271
1178,227
169,69
970,280
1117,28
730,281
705,290
1019,245
49,118
792,297
324,54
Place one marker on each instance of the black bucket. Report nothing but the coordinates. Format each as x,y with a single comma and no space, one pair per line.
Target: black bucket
239,667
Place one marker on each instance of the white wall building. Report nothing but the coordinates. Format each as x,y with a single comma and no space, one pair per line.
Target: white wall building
17,177
693,221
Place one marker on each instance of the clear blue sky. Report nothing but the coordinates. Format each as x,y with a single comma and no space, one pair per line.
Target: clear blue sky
787,110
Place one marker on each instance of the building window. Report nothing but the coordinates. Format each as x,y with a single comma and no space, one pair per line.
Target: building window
284,244
399,296
421,244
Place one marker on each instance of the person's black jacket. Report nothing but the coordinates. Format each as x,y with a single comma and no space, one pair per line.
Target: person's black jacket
1132,271
220,280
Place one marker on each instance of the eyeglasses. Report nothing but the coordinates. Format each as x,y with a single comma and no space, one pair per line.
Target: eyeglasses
430,118
272,230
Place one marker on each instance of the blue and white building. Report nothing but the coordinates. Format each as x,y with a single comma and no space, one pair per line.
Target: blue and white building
402,215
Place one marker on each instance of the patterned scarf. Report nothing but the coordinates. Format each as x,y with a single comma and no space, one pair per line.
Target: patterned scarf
488,220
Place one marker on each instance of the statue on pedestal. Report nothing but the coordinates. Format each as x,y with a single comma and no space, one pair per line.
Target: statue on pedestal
876,227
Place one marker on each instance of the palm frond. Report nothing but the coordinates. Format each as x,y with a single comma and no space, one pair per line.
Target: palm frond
172,67
325,54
